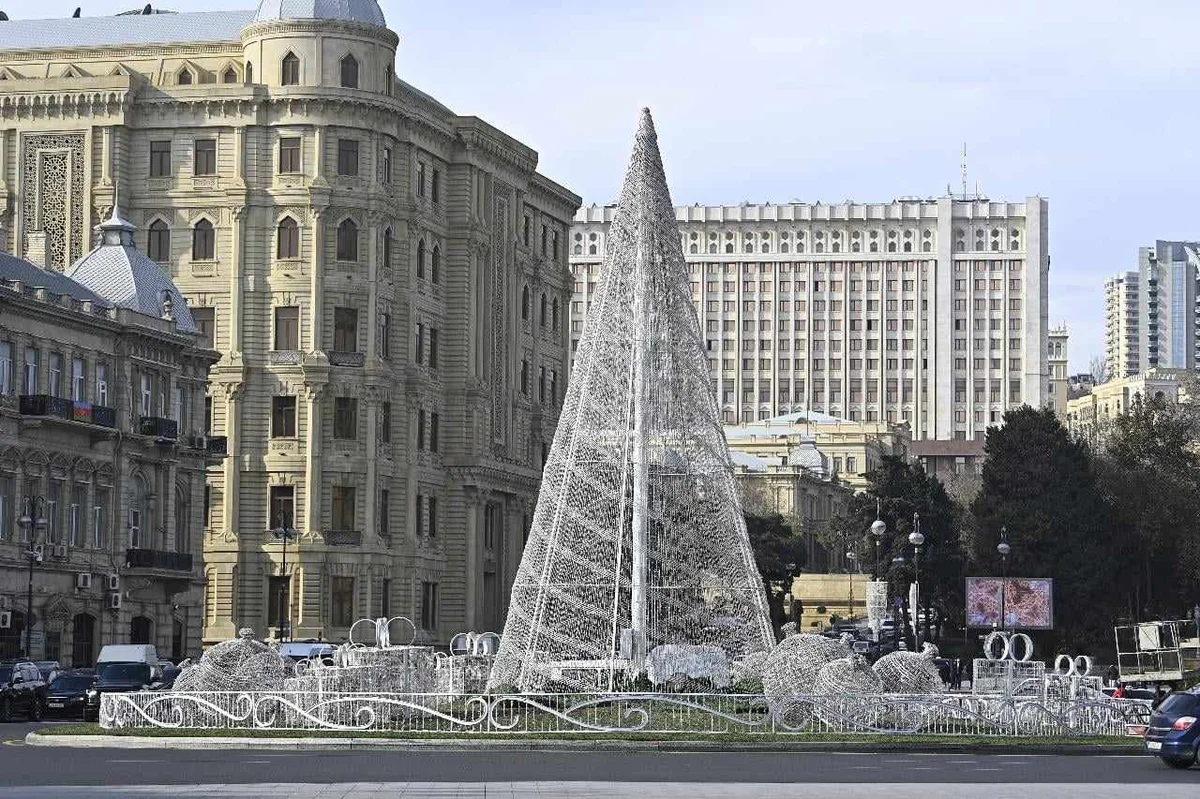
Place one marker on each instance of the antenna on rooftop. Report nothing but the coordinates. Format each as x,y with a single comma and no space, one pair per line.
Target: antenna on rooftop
78,11
964,171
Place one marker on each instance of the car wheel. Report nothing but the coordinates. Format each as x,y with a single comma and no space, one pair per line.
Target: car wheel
36,710
5,709
1180,762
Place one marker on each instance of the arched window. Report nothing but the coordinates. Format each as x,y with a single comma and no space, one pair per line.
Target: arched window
525,304
249,72
185,77
554,315
230,75
203,241
158,241
908,246
347,241
289,70
891,246
183,515
387,248
288,239
350,72
435,265
421,259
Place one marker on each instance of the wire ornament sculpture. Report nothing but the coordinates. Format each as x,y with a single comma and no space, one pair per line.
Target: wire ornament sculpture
910,672
242,664
847,676
877,605
791,670
638,538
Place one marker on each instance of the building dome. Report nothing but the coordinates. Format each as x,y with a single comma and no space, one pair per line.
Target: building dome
365,11
123,275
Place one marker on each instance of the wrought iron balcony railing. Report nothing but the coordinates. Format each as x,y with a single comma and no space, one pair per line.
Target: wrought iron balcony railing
70,410
346,359
343,538
158,559
158,427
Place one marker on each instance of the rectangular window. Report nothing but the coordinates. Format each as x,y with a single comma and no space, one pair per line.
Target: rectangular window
433,347
421,179
78,380
341,609
435,186
102,384
433,432
283,417
420,429
419,344
7,508
385,336
343,517
431,529
206,323
206,157
384,511
277,590
54,507
282,503
287,327
6,367
385,422
289,155
345,417
160,159
75,517
429,606
387,164
56,374
146,393
347,158
345,330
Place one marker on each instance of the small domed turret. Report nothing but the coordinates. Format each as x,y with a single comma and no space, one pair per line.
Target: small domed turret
367,12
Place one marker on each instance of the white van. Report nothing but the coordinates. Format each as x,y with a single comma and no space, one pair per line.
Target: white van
128,653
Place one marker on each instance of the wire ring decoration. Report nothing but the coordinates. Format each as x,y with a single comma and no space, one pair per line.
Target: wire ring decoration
383,631
1077,666
1008,649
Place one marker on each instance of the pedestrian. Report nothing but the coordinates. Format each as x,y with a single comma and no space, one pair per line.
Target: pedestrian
1119,691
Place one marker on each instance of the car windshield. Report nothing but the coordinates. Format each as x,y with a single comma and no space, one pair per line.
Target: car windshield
70,682
131,672
1179,704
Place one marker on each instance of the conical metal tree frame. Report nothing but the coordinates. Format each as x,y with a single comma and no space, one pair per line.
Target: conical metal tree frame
638,538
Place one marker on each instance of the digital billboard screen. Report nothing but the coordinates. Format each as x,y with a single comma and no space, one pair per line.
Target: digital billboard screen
1027,602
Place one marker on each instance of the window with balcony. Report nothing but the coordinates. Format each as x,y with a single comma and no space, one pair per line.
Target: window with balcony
56,374
345,419
342,512
102,384
205,162
204,245
345,330
341,604
283,417
282,503
289,155
78,380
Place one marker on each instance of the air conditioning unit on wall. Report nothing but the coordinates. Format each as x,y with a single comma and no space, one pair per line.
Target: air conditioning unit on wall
114,582
5,619
114,601
83,581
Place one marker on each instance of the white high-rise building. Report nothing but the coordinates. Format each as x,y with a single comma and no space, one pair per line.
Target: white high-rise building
931,312
1121,346
1167,305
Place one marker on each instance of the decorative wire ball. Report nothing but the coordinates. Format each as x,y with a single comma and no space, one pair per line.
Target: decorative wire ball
847,676
748,668
910,672
791,669
242,664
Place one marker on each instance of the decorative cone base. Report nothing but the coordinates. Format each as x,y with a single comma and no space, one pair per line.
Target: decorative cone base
638,539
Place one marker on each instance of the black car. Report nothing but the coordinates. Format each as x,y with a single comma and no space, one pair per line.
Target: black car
21,691
118,678
66,694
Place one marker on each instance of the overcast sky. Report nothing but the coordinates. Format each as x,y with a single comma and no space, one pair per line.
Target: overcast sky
1090,104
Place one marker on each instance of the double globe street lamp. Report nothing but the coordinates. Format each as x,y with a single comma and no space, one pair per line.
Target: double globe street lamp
1004,550
33,523
917,539
285,531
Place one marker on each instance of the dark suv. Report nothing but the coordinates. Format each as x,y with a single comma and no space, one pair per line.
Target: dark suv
1174,732
22,690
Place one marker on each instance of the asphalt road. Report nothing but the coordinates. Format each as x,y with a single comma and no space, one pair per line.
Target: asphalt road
23,765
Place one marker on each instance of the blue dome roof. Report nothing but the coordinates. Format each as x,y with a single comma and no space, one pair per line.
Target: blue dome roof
364,11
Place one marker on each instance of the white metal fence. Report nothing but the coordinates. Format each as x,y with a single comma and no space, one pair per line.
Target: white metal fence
641,714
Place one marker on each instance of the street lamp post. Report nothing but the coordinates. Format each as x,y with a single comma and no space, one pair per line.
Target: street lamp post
33,522
917,539
285,532
1004,549
878,528
851,557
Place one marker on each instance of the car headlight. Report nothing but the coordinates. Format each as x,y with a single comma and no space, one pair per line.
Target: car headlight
93,696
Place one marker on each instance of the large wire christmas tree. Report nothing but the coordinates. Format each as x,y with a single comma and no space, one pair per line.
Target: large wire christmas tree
638,539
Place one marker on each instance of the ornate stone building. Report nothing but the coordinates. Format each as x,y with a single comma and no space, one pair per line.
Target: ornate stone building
385,281
98,370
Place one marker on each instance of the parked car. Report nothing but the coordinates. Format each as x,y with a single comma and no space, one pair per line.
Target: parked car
117,677
22,690
66,694
49,669
1173,733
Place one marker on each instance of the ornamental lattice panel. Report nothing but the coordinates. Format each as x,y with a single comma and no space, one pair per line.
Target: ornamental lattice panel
638,539
53,187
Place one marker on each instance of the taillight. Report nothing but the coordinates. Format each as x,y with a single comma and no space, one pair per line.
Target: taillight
1183,723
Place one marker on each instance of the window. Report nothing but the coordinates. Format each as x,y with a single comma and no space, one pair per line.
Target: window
525,377
419,344
525,299
282,507
205,162
102,384
349,72
429,608
385,422
433,432
384,512
78,380
158,241
347,158
435,186
542,308
420,429
289,154
288,239
420,178
347,241
54,507
283,417
341,609
431,509
6,367
345,419
289,73
433,347
56,374
385,336
343,511
160,159
203,241
387,163
229,76
100,508
435,265
205,318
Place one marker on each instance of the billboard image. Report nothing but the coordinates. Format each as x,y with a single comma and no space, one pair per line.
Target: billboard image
1028,602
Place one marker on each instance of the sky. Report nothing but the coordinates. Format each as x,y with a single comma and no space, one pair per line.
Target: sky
1085,103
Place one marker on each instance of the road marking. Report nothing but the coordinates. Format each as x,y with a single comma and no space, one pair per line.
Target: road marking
962,762
256,762
865,768
985,769
14,742
922,768
135,761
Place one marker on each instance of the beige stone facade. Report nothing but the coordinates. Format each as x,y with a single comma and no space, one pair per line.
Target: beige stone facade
121,494
385,280
1058,388
1090,416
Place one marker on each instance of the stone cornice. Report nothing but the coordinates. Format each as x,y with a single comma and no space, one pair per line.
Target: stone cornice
294,27
557,196
479,135
121,51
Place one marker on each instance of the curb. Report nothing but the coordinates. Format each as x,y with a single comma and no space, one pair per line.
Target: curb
550,745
